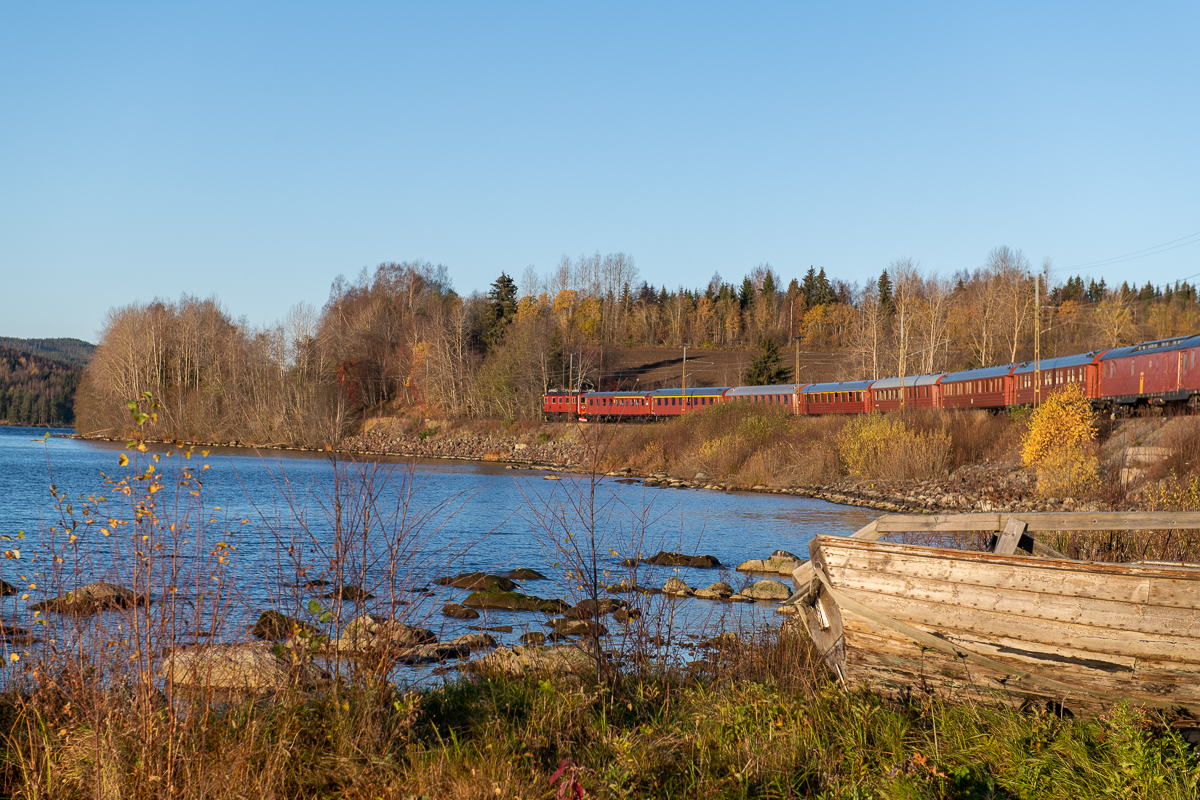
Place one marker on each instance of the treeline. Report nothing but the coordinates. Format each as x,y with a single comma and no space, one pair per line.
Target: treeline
401,336
68,351
35,390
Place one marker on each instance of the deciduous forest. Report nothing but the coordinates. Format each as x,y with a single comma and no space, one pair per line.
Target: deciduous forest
401,335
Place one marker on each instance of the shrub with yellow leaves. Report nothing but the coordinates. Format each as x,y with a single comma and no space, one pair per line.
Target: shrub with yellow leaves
885,448
1060,444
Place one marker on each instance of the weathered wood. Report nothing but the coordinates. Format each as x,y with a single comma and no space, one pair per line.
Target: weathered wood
1044,629
1036,522
1163,586
1006,544
1126,617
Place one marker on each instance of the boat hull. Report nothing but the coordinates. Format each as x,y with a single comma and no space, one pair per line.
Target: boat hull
1076,636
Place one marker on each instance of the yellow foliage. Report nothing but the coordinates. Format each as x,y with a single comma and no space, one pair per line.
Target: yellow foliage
1059,444
589,317
878,446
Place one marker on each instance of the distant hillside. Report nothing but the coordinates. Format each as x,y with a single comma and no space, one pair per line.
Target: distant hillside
68,351
39,390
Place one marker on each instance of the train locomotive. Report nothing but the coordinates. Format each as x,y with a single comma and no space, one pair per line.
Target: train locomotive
1156,375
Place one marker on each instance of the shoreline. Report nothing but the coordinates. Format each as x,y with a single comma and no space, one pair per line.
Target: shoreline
982,487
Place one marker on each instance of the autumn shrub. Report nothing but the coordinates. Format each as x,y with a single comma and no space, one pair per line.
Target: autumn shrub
1060,445
886,448
1181,439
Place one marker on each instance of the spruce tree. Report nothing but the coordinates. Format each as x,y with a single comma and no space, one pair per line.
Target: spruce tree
767,369
885,293
502,308
747,293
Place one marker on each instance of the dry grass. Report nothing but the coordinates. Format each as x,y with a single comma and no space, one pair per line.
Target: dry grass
748,445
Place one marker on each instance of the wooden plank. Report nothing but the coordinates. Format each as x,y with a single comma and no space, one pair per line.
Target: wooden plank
1042,550
1039,521
866,639
1006,544
865,645
1176,624
1163,586
1103,642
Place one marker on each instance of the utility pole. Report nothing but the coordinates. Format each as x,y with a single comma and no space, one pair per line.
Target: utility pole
796,399
683,388
902,359
1037,340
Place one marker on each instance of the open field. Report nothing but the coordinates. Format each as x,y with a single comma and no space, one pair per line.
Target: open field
662,367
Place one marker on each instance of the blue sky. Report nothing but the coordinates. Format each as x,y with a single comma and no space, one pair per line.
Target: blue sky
256,151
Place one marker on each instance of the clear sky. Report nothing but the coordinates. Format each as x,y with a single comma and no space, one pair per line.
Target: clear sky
257,150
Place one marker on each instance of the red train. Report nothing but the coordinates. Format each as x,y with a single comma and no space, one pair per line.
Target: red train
1151,374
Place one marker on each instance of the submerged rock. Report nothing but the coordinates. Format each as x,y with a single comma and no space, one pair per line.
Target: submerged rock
514,601
765,590
478,581
624,615
578,627
716,591
252,666
677,588
524,574
533,638
90,599
589,608
781,561
274,626
626,587
441,651
665,559
351,593
459,611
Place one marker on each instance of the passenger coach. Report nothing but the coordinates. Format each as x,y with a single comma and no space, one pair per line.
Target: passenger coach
782,395
672,402
989,387
917,391
1053,374
1151,373
847,397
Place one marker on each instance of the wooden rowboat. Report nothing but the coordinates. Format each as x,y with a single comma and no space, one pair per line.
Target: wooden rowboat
1026,629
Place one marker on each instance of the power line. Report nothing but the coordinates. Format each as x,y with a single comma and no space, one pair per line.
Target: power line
1182,241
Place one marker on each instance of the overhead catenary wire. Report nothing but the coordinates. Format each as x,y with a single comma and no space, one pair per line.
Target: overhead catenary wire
1174,244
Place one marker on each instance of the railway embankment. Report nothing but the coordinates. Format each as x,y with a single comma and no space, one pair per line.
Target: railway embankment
932,463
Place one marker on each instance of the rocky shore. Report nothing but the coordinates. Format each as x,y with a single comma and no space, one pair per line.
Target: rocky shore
1001,486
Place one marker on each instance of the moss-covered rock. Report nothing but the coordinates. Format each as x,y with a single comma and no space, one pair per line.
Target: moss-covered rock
514,601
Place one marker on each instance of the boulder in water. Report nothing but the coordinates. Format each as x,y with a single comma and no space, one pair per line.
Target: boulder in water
677,588
459,611
716,591
274,626
90,599
514,601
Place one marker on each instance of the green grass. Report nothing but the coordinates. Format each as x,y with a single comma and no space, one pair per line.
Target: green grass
759,722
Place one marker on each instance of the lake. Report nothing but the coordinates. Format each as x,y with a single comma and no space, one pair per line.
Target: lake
262,525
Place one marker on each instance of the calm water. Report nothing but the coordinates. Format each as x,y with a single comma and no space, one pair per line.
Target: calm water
429,518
